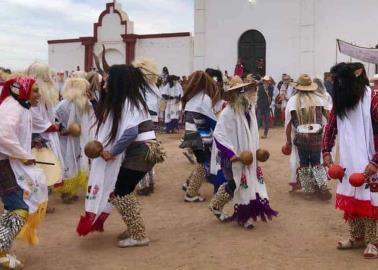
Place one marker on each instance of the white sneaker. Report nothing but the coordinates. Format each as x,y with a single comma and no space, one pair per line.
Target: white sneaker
219,214
194,199
129,242
10,262
249,224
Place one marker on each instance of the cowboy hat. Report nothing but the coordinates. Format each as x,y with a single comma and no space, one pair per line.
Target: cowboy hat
266,78
235,83
375,78
305,83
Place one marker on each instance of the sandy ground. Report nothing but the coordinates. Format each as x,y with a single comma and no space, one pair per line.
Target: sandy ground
187,236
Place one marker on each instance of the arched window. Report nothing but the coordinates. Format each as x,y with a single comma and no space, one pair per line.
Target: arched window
252,52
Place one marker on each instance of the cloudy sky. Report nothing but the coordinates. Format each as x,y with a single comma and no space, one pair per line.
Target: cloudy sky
26,25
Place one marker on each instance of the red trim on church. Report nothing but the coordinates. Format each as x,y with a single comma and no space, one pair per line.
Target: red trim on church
69,40
129,39
88,43
164,35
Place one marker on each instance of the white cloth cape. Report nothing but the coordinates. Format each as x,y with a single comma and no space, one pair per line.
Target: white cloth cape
326,103
43,117
153,98
357,148
201,103
153,101
72,148
233,132
173,107
15,144
103,175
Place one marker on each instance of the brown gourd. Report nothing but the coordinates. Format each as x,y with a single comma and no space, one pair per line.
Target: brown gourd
74,130
246,157
262,155
93,149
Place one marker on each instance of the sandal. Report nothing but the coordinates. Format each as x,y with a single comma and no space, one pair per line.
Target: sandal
10,262
371,252
351,244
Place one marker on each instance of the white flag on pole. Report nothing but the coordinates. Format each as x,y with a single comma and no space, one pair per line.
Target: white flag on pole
368,55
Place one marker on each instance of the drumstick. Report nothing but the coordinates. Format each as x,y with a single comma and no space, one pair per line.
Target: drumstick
38,162
45,163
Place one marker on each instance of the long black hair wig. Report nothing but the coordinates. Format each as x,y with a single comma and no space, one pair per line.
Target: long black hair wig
125,83
349,86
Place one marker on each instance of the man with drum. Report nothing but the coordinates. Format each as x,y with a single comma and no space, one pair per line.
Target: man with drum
45,129
23,188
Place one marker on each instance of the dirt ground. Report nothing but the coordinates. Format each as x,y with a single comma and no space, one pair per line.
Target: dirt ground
187,236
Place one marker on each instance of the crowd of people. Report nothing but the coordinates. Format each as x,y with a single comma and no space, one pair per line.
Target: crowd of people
100,126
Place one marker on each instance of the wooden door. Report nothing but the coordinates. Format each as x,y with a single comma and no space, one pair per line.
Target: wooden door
252,52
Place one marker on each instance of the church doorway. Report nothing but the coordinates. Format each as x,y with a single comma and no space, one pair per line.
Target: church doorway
252,52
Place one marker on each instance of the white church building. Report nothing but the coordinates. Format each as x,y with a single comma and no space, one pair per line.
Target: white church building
115,31
287,36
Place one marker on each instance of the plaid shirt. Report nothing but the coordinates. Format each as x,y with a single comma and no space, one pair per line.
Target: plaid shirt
330,130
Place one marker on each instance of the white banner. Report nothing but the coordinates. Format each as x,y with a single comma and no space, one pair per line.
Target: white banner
368,55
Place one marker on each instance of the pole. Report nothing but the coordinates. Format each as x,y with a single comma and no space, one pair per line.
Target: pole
376,66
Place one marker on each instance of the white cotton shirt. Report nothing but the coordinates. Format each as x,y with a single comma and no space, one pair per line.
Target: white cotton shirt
201,103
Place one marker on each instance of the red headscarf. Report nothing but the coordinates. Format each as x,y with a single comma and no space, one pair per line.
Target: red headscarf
19,87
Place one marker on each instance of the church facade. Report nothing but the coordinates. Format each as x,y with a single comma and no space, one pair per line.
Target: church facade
115,31
269,36
291,36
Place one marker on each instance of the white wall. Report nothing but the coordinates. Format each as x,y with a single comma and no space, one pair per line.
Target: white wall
300,34
277,20
111,28
349,20
199,53
176,53
66,56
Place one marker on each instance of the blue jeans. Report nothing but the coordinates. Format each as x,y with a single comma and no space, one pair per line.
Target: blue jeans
307,158
14,201
171,126
263,117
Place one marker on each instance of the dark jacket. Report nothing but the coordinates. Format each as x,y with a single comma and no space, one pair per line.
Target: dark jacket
264,98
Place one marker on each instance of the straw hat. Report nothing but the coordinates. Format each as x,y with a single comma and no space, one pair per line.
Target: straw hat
375,78
305,83
149,69
235,83
266,78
